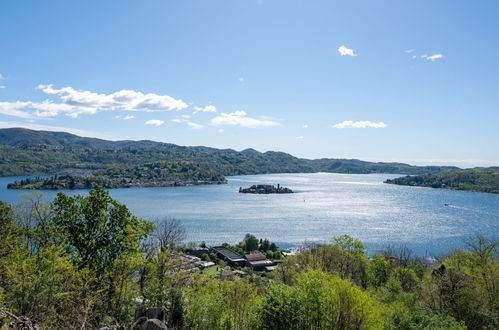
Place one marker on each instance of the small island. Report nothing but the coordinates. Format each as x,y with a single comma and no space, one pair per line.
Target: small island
477,179
265,189
156,174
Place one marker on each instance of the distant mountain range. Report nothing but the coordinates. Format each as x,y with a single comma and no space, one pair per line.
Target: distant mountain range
29,152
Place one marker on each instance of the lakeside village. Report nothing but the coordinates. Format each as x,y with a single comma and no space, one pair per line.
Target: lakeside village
249,257
257,257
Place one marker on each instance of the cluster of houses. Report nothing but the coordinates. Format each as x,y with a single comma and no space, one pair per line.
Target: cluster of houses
256,260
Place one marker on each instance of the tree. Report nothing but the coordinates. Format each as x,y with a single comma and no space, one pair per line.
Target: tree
352,245
377,271
279,308
168,232
97,229
8,239
250,243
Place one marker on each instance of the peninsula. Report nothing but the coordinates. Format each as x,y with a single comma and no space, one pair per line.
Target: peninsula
265,189
156,174
477,179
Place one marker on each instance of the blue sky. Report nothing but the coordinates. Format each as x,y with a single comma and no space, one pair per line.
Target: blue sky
410,81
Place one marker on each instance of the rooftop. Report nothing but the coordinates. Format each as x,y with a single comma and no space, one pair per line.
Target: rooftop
255,255
228,253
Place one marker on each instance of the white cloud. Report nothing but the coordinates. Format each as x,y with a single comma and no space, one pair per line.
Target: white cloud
300,137
79,132
125,117
194,125
2,86
434,57
188,123
239,118
241,79
408,51
305,126
1,77
186,116
156,122
13,109
359,124
346,51
208,108
74,103
220,130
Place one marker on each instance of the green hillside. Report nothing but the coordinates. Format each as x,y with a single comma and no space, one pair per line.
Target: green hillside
157,174
28,152
478,179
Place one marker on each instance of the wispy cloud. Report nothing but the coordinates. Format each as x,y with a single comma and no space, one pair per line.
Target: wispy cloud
189,123
208,108
76,131
75,102
125,117
305,126
408,51
344,51
300,137
156,122
359,124
434,57
239,118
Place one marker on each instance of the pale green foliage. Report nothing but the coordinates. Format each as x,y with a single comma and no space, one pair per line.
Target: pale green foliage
377,271
350,244
217,305
49,287
319,300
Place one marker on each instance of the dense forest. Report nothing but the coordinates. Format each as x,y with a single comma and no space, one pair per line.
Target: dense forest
84,262
478,179
157,174
28,152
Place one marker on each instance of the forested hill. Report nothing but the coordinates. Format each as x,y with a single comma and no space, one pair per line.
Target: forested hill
29,152
157,174
478,179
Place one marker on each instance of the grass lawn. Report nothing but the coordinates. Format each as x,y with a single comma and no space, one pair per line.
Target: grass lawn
212,271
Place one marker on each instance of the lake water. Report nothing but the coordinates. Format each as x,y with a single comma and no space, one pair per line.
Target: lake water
324,205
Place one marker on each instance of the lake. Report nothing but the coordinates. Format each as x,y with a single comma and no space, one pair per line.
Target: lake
324,205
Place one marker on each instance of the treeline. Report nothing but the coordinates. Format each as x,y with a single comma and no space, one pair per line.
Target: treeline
156,174
478,179
84,262
28,152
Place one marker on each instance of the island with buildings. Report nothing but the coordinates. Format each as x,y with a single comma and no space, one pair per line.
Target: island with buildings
265,189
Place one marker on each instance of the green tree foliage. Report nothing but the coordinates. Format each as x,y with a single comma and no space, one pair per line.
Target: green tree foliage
320,300
250,243
97,229
377,271
352,245
155,174
226,305
478,179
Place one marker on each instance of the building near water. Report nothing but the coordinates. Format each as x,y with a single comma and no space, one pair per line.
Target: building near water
229,255
258,261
